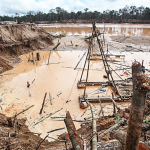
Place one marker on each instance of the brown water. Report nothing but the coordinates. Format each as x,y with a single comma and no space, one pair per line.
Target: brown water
60,79
112,29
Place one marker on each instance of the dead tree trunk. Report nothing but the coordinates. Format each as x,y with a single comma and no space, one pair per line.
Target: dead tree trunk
137,107
74,136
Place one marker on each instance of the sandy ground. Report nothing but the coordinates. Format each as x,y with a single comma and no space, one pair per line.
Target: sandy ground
129,43
70,43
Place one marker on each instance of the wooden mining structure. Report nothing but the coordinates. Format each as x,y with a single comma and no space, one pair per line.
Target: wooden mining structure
96,35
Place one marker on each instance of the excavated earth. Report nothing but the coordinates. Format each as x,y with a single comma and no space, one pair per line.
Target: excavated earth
16,40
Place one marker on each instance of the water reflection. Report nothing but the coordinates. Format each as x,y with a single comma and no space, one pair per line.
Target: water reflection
133,30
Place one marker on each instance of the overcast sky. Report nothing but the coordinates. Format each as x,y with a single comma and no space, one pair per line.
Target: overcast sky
10,7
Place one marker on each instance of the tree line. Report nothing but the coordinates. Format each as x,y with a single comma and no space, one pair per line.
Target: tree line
126,14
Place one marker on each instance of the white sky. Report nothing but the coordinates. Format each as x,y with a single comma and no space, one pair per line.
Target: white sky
10,7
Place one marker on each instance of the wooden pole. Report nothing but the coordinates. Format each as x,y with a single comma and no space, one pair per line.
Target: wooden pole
79,61
38,56
137,108
101,108
22,111
73,134
94,139
43,103
33,57
51,50
114,103
50,98
88,67
85,63
49,57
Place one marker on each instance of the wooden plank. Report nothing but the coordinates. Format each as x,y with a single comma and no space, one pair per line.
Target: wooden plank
103,99
111,60
83,83
108,55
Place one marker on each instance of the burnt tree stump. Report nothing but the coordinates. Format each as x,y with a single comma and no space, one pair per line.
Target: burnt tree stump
140,88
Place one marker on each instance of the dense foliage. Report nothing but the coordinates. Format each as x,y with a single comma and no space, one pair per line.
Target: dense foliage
126,14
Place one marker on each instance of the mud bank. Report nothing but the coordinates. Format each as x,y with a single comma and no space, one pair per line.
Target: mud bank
16,135
16,40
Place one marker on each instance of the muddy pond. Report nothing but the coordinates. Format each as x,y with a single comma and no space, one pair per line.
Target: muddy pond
59,78
112,29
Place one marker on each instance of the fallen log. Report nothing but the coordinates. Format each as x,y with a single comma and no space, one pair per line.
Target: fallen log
74,136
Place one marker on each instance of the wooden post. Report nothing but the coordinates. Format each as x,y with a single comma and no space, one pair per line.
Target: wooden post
28,84
71,43
49,57
114,103
33,57
94,132
101,108
74,136
50,98
38,56
43,103
107,49
137,108
114,109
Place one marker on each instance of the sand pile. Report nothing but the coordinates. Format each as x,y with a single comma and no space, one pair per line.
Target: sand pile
16,40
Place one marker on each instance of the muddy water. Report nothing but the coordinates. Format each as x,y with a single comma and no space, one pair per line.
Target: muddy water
60,79
112,29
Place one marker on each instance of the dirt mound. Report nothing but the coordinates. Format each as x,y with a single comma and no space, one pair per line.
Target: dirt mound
16,40
4,66
16,135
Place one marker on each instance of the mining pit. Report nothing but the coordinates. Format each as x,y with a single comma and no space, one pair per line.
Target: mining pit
40,81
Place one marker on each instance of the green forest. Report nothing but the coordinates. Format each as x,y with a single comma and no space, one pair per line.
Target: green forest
124,15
